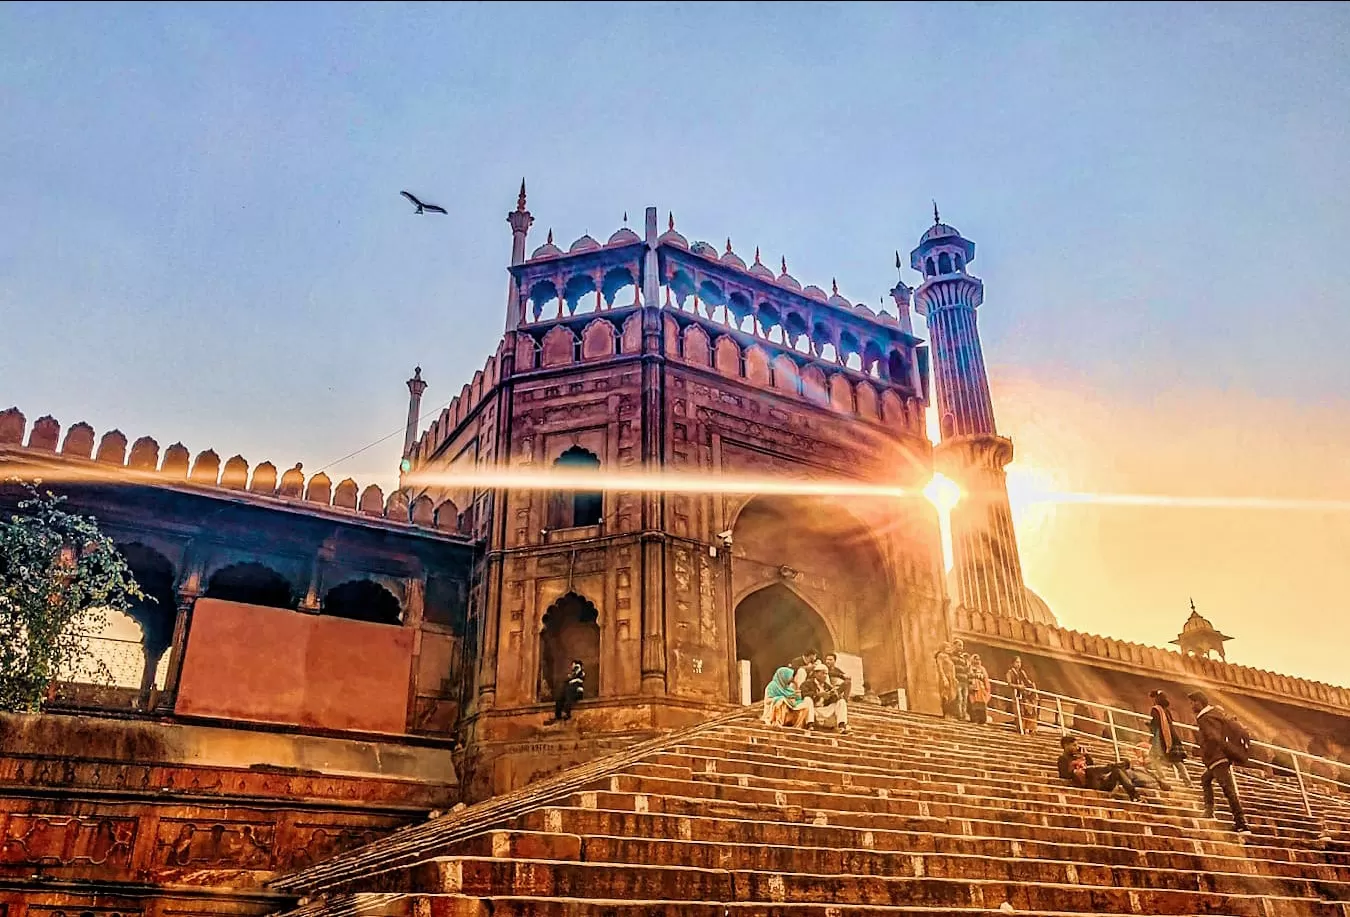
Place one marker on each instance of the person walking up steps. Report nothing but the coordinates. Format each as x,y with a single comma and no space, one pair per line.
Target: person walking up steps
1223,742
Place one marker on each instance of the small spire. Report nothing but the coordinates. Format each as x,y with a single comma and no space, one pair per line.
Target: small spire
834,286
898,266
520,201
1192,606
936,219
784,264
550,235
728,245
625,218
417,372
756,254
670,220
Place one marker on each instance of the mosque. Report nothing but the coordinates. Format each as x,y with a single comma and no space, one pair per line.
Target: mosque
429,627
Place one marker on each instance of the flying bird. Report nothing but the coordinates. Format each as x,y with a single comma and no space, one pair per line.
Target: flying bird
421,207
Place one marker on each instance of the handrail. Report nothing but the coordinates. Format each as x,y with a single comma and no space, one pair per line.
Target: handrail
1301,774
406,845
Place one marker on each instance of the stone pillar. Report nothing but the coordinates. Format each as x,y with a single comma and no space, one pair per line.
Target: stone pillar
987,568
520,220
498,532
653,537
415,389
177,650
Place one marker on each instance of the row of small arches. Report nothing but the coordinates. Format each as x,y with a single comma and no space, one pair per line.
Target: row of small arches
599,339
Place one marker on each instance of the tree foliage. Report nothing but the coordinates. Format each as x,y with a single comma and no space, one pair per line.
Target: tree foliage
59,577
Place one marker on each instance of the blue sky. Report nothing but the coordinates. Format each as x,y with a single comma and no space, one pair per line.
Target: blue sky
201,236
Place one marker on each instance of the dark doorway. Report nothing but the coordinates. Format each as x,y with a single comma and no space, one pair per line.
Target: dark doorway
252,584
571,631
568,509
772,626
362,600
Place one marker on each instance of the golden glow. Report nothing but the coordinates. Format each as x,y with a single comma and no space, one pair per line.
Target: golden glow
942,492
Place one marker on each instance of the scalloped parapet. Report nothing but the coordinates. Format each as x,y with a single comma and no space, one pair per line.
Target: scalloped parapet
976,624
179,468
458,410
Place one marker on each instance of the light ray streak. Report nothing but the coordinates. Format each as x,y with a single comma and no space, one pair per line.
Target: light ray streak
653,481
1183,502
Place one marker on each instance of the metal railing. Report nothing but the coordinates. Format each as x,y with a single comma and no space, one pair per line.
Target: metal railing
1117,722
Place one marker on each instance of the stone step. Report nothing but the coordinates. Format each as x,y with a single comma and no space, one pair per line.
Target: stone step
1078,809
482,877
739,856
459,906
1114,833
1142,852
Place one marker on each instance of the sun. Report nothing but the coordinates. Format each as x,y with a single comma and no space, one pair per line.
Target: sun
942,492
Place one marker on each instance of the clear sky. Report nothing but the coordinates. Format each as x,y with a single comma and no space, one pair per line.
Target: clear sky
201,236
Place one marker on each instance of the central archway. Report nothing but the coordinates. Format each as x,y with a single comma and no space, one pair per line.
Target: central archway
812,571
773,625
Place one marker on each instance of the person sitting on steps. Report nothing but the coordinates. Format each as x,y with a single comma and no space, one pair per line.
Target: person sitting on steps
828,706
784,705
572,690
1076,767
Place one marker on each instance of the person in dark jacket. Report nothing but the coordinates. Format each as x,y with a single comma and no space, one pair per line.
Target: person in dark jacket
1218,758
1076,767
572,691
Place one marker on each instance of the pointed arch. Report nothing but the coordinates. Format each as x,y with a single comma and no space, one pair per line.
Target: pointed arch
251,583
569,630
363,600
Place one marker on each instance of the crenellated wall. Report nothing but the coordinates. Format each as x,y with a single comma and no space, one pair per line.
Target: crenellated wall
1198,670
176,465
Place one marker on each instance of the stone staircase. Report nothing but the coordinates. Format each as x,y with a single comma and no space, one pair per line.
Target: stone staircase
904,815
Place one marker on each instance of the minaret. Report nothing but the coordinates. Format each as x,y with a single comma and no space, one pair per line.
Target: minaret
520,220
415,389
987,570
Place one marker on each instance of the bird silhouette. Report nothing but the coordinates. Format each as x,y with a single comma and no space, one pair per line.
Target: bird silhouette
421,207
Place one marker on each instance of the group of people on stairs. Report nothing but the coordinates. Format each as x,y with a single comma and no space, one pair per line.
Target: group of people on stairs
1224,742
967,690
808,693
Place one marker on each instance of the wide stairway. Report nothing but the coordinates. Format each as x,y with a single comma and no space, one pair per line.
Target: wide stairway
904,815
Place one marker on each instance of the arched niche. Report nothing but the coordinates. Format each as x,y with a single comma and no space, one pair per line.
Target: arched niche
773,625
569,630
570,508
252,584
820,550
363,600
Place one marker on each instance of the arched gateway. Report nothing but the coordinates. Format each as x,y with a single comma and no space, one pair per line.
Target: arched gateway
808,573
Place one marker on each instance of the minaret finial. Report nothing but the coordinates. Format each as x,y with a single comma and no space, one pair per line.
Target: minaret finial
898,265
670,220
834,285
1192,606
728,245
550,235
756,254
520,201
936,219
784,263
625,218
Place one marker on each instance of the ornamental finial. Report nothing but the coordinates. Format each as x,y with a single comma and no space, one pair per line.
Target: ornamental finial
520,201
728,245
898,266
936,219
550,236
834,286
625,218
670,221
756,254
784,262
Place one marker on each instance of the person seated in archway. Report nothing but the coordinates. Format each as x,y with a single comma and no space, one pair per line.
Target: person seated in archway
572,691
828,706
784,705
801,666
